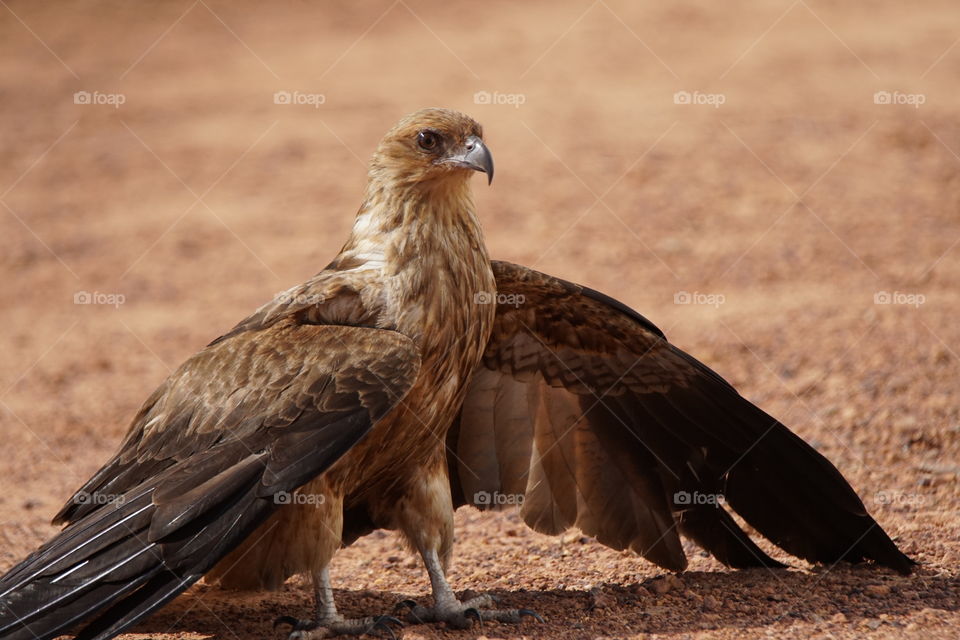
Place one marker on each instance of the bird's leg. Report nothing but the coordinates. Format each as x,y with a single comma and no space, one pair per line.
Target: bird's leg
328,621
446,606
426,520
457,614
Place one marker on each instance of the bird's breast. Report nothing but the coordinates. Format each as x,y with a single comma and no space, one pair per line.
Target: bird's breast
448,310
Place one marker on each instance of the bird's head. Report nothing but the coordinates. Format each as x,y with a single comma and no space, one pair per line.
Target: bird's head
432,147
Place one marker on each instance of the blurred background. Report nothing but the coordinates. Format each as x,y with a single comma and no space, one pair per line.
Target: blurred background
776,184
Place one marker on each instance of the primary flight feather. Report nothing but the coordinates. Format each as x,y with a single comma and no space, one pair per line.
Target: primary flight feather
390,389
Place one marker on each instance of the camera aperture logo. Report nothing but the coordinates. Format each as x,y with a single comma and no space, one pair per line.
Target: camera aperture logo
899,297
98,297
711,299
899,498
295,298
284,497
510,99
688,499
895,97
710,99
505,299
96,98
299,97
497,499
99,499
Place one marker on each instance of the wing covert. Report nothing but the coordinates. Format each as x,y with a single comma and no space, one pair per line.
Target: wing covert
260,412
583,411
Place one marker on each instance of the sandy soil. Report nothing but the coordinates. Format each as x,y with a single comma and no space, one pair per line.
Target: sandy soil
782,198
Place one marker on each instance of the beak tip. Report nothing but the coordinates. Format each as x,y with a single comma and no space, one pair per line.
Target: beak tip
475,156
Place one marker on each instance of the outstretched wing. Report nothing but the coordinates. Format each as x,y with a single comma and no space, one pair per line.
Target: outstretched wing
585,414
259,412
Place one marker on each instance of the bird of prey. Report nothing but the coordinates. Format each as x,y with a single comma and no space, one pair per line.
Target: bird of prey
411,376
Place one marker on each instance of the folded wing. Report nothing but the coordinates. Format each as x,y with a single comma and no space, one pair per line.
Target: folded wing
584,414
255,414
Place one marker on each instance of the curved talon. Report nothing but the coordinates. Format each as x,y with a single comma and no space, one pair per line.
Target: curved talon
290,620
531,613
409,604
384,623
473,613
391,620
411,614
463,615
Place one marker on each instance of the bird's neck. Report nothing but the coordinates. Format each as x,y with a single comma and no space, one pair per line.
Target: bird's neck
400,226
429,247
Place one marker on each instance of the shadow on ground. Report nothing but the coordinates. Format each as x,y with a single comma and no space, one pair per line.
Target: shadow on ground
694,601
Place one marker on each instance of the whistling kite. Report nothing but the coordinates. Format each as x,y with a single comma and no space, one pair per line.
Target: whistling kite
409,377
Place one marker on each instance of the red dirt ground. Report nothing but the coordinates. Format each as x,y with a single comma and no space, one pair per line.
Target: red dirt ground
800,203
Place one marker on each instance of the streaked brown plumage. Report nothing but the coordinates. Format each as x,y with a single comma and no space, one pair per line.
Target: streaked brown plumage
582,407
389,390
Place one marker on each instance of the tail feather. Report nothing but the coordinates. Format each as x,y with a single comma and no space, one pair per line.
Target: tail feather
105,564
160,590
72,545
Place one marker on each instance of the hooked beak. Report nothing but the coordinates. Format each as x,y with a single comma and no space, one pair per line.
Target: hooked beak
474,155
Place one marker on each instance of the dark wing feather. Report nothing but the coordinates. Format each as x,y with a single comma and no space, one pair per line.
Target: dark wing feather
260,412
583,410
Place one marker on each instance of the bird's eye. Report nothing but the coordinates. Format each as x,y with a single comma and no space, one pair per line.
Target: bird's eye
428,140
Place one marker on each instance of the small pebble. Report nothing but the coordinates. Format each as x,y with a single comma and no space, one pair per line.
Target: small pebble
877,590
661,586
